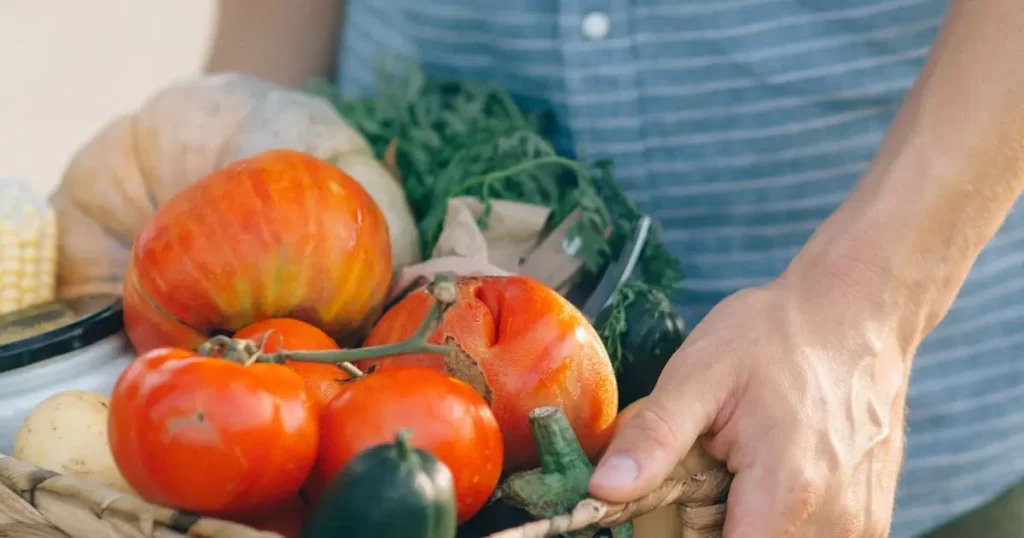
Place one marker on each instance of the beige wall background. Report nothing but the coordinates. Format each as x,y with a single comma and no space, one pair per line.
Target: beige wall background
68,67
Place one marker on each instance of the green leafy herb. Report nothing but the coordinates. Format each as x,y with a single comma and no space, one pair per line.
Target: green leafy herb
456,138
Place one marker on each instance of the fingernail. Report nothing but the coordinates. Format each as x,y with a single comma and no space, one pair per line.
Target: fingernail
616,472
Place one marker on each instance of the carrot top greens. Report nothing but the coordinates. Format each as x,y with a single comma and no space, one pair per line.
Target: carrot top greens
450,138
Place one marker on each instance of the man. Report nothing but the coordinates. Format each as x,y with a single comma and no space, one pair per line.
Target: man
818,255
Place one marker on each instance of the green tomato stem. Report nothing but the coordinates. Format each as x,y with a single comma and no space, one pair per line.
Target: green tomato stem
405,347
445,293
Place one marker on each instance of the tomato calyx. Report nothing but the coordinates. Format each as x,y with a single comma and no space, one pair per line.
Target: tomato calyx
243,351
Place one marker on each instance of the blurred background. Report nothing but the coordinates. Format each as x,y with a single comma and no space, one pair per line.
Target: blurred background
67,68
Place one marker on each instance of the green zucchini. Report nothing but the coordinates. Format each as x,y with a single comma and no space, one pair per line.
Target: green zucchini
642,332
388,491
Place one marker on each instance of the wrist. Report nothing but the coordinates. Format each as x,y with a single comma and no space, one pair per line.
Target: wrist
852,268
898,250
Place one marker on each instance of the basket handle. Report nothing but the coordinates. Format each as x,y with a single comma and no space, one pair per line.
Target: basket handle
701,489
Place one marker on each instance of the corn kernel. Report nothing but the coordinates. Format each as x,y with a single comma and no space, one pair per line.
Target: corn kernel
28,247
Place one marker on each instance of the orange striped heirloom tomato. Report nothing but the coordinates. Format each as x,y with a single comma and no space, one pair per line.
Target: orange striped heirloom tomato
212,435
279,234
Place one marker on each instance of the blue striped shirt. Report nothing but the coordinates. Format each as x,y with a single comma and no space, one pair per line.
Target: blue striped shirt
740,125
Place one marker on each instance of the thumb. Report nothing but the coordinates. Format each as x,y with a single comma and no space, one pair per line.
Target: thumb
652,441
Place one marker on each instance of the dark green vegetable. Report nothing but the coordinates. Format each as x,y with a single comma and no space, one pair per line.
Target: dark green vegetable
557,486
388,491
650,333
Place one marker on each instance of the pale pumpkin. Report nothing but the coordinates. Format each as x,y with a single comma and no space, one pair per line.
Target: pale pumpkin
115,182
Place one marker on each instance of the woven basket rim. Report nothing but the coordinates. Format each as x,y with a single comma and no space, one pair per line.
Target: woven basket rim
43,503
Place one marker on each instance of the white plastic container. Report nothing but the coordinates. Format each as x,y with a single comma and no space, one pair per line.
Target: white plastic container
72,344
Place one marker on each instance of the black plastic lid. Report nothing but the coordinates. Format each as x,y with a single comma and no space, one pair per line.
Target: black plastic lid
48,330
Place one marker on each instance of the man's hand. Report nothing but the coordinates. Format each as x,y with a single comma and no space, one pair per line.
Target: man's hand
799,393
799,386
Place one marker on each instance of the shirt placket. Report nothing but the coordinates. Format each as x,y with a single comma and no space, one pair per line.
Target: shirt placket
602,84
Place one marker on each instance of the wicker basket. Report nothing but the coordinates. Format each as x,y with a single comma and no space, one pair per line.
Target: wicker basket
36,503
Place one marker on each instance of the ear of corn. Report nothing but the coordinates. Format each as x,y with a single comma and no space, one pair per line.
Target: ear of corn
28,247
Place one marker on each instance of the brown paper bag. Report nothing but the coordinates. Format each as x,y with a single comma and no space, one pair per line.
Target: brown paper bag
513,231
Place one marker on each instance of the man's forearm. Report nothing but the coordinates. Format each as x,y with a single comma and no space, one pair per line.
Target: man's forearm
285,42
943,181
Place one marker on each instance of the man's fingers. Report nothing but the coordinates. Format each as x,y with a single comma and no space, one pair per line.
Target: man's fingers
652,441
646,449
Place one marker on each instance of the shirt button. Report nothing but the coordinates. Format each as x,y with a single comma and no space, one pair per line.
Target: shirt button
596,25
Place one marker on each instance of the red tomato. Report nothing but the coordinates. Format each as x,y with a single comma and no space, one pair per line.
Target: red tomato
210,435
280,234
323,380
534,349
448,418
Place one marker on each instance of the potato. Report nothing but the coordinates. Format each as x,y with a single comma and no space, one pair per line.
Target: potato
67,433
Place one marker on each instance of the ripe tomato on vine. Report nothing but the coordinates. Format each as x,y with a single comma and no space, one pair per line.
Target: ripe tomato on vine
323,380
212,435
446,417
